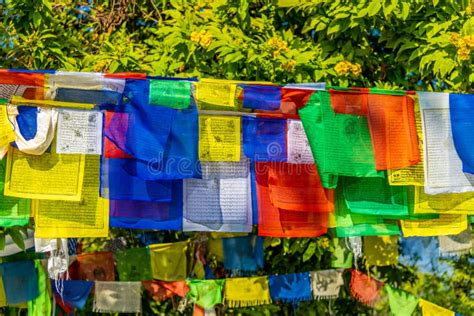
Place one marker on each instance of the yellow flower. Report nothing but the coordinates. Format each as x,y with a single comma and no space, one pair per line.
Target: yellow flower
277,45
356,69
464,53
206,39
454,38
342,67
289,66
324,243
469,41
195,37
469,9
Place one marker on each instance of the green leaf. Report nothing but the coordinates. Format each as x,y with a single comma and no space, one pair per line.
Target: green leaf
405,10
2,241
309,252
17,238
36,19
374,7
275,242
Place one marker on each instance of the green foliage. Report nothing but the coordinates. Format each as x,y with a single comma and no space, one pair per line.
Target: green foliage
406,44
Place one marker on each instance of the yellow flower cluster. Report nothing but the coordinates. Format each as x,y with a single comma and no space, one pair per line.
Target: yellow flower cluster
289,65
470,8
464,45
324,242
344,67
203,38
277,45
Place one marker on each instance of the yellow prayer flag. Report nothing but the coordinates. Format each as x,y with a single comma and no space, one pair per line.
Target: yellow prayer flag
451,203
430,309
242,292
381,250
6,129
49,176
446,224
413,175
219,138
69,219
169,261
3,298
16,100
216,95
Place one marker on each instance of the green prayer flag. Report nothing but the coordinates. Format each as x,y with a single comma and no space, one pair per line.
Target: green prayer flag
41,305
374,196
340,143
174,94
134,264
13,211
401,303
341,257
206,293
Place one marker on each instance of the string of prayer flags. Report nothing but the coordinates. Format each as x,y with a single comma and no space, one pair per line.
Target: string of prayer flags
18,273
121,297
162,290
243,255
214,94
217,205
243,292
365,289
98,266
290,288
455,245
340,143
43,177
261,97
13,211
175,94
401,303
446,224
341,257
219,138
443,167
74,293
169,261
90,217
431,309
205,293
134,264
460,108
381,251
264,139
326,284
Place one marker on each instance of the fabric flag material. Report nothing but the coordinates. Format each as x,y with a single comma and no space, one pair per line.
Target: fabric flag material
134,264
169,261
162,290
225,169
219,138
41,305
326,284
381,251
13,211
412,175
455,245
42,177
365,289
401,303
6,129
243,292
294,222
443,167
446,224
374,196
243,255
121,297
290,288
206,293
340,143
350,100
341,257
217,205
393,129
460,108
90,217
430,309
175,94
264,139
261,97
18,273
214,94
74,293
96,266
450,203
299,151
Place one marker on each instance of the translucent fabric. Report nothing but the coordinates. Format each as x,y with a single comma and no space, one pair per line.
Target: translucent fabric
219,138
162,290
206,293
212,94
350,101
27,84
446,224
20,281
243,255
243,292
41,305
278,222
374,196
401,303
169,261
451,203
110,149
393,129
365,289
175,94
294,98
96,266
340,143
431,309
121,183
443,167
149,215
122,297
13,211
74,293
134,264
162,140
264,139
326,284
290,288
381,251
260,97
461,112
